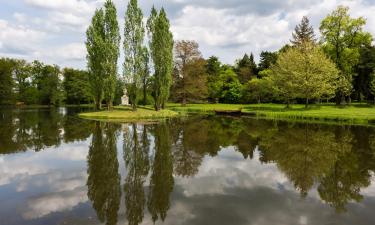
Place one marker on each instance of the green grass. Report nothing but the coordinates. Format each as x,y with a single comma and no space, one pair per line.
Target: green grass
354,114
325,113
125,114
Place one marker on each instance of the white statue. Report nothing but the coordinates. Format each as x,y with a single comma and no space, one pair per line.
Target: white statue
125,98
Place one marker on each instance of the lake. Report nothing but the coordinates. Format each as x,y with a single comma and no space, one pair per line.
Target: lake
56,168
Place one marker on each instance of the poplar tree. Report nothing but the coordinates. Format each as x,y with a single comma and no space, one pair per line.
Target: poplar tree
112,51
95,45
133,47
161,46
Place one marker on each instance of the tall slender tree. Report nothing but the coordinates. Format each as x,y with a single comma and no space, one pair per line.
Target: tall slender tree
133,47
145,74
95,45
112,45
161,46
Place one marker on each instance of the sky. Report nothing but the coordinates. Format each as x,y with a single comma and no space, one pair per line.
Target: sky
53,31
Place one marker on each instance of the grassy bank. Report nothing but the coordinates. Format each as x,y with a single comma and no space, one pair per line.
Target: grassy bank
354,114
126,114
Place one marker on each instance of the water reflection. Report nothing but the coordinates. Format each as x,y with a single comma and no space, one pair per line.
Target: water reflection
196,170
103,180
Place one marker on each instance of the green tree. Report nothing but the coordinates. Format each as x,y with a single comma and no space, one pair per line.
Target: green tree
213,68
307,74
364,71
112,51
145,75
161,46
50,87
76,86
6,81
267,59
372,85
246,68
96,51
257,89
342,37
133,47
230,86
303,33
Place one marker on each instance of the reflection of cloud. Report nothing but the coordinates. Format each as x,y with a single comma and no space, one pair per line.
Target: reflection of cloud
54,202
22,167
229,169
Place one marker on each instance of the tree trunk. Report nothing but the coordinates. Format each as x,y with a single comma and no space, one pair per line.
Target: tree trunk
307,103
259,100
134,107
287,104
98,105
183,101
144,96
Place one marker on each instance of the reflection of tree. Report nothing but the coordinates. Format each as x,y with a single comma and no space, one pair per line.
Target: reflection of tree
136,155
103,178
161,183
304,153
76,129
344,182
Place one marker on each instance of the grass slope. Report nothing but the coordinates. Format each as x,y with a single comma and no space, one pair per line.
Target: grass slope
126,114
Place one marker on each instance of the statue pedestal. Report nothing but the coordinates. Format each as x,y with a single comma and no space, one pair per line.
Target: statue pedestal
124,100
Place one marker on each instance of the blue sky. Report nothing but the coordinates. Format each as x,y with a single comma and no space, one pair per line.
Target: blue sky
53,31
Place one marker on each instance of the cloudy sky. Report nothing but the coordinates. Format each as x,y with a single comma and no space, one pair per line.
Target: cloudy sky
54,30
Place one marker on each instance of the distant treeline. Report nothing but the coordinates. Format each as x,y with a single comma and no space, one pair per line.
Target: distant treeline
22,82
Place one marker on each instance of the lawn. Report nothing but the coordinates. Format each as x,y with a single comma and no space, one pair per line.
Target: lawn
354,114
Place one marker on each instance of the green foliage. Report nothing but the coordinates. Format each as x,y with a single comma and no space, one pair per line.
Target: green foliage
246,68
267,59
342,37
257,89
6,81
230,86
76,86
50,88
161,47
304,73
112,51
95,45
134,33
364,71
303,33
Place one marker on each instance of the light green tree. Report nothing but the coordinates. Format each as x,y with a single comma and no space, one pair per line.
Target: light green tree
95,45
112,51
161,48
257,89
133,47
305,73
342,37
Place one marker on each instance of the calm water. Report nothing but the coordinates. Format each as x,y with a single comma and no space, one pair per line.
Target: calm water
58,169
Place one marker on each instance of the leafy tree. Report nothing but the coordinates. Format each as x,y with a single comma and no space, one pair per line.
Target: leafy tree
22,76
231,88
372,85
50,87
257,89
303,33
305,73
96,51
192,87
6,81
246,68
364,71
187,53
76,86
161,46
112,51
342,37
213,68
133,47
266,60
145,74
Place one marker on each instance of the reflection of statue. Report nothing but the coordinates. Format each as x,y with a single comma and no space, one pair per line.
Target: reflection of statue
125,98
